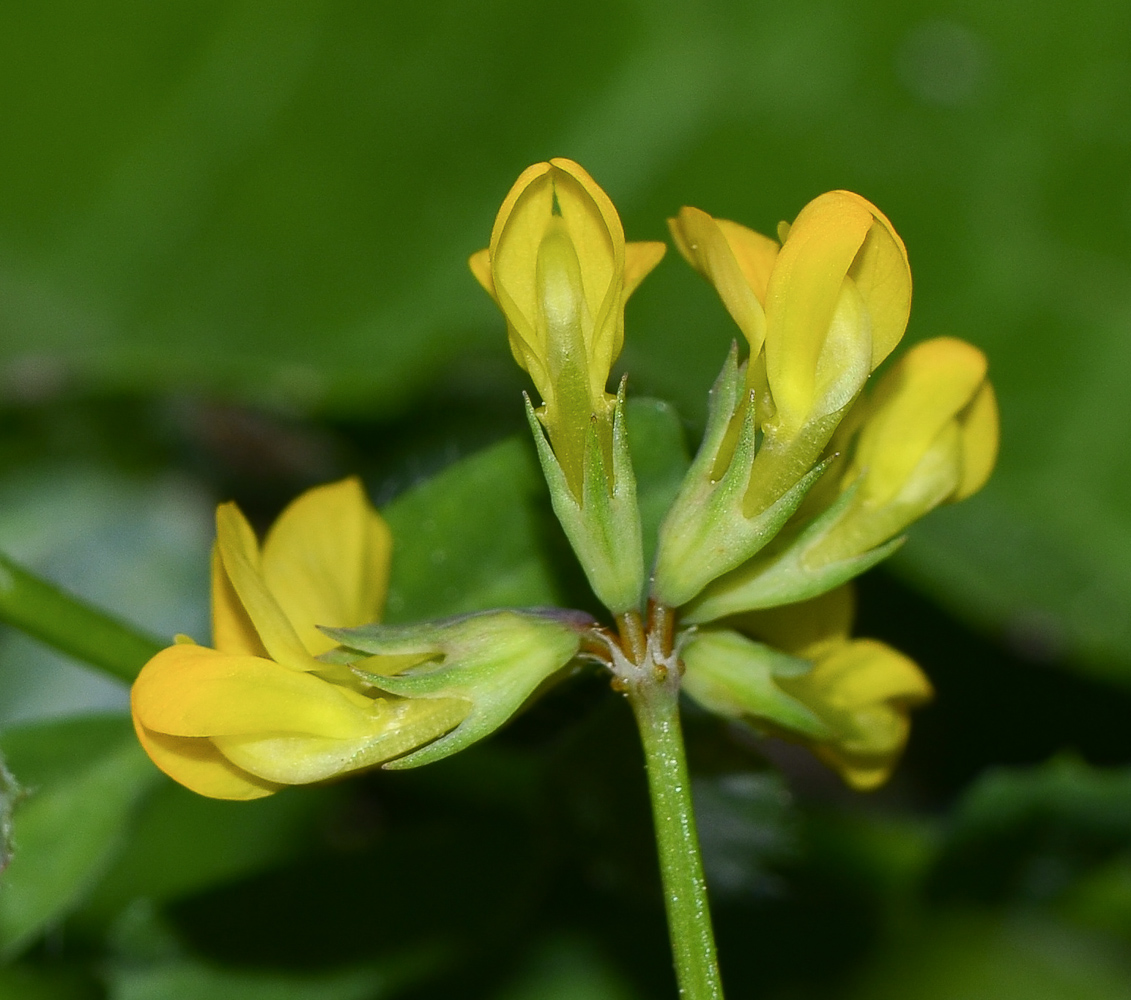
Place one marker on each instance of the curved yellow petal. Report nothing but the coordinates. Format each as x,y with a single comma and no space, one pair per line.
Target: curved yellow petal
803,294
326,561
396,727
480,264
714,252
239,553
931,384
198,765
883,275
756,254
864,691
522,221
232,630
196,691
981,434
807,628
639,260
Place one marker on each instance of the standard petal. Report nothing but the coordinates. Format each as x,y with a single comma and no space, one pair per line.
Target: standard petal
239,553
922,394
803,294
598,238
196,763
705,245
515,239
639,260
195,691
883,276
480,264
326,561
981,433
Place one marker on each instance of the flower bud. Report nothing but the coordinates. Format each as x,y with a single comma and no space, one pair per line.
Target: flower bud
560,271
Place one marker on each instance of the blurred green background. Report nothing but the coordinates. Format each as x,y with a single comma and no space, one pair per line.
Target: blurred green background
233,242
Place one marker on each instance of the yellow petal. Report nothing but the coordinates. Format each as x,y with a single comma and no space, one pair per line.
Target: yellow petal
195,691
196,763
803,294
864,691
522,220
883,276
239,553
924,392
326,561
980,436
754,252
480,264
639,260
597,234
714,252
806,628
396,727
232,630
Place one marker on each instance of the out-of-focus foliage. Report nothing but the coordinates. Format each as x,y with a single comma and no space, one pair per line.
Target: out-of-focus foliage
233,242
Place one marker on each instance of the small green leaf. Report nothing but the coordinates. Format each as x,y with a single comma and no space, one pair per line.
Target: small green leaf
83,779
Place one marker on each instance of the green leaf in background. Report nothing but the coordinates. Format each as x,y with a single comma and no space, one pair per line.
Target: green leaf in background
976,957
1030,834
187,979
182,843
660,460
568,968
469,539
83,780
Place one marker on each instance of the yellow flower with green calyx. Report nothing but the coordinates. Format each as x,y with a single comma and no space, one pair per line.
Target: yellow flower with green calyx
820,313
795,672
260,710
559,269
928,435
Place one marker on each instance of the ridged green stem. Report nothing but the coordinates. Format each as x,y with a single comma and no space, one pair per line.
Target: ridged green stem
655,703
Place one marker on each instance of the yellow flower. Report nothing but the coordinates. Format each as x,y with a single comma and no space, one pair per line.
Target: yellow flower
559,269
928,435
260,710
820,313
849,700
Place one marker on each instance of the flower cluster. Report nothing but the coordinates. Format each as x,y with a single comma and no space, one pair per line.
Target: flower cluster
802,481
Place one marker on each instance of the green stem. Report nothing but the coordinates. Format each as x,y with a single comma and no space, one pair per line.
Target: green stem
71,625
655,703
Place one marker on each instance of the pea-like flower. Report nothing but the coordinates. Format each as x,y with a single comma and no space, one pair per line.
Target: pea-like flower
820,312
848,700
559,269
260,710
928,435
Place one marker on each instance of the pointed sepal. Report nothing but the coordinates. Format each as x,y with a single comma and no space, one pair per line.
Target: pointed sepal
494,660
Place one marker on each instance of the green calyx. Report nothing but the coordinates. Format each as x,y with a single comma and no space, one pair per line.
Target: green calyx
603,526
495,660
707,532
